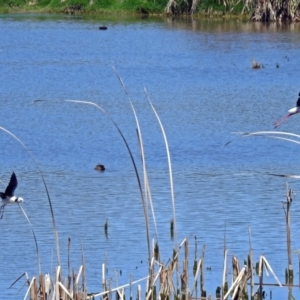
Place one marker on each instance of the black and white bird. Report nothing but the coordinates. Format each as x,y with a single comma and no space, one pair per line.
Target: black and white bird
8,196
292,111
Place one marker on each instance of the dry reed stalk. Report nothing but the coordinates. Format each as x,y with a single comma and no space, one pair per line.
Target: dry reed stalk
202,287
139,293
224,281
74,280
64,291
107,293
196,275
65,284
288,203
268,267
224,278
156,251
174,262
29,287
42,287
235,268
27,281
236,282
173,267
35,240
250,263
169,164
120,294
260,275
130,287
152,289
185,274
33,290
239,291
57,280
69,266
77,278
163,282
195,268
83,282
48,285
145,198
145,173
104,286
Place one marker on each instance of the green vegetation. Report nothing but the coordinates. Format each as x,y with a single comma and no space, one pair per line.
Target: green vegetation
156,7
273,10
84,6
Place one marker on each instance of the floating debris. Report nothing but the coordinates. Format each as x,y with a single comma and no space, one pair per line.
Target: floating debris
255,65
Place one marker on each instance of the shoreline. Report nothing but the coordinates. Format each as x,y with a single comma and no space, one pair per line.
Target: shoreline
137,9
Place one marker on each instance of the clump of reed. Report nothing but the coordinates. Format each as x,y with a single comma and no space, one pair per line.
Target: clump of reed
161,284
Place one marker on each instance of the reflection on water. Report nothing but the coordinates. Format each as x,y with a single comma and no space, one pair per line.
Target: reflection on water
198,75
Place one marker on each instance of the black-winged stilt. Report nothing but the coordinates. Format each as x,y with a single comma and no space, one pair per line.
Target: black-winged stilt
8,196
292,111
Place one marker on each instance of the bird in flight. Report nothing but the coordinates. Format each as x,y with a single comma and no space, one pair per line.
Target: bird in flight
8,196
292,111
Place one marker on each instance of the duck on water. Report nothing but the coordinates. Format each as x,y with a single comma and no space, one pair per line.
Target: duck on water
100,168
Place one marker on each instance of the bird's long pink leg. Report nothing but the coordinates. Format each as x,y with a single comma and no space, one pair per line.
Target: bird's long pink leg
279,122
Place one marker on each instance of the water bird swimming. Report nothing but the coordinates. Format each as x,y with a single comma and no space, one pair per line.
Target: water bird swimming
100,168
292,111
8,196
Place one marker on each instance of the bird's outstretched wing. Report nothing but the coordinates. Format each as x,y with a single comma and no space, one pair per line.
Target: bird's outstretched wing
13,183
298,101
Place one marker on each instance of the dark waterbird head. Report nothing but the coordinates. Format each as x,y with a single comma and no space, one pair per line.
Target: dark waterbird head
100,168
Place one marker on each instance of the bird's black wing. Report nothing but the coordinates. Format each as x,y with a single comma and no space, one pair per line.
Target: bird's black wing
13,183
298,101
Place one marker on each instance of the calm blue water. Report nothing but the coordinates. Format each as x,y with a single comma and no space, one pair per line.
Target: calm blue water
198,75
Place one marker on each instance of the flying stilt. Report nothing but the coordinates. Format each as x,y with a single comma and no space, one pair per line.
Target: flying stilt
8,196
292,111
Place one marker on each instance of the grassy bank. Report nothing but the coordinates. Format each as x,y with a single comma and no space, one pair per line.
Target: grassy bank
256,10
153,7
82,6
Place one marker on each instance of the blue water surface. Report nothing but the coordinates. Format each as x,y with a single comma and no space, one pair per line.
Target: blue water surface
198,75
